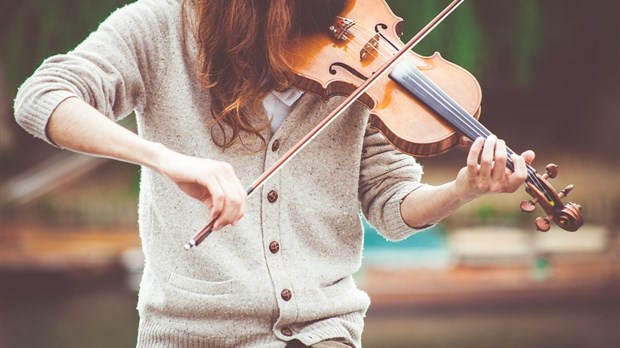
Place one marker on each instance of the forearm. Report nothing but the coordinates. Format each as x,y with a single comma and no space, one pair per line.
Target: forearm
77,126
430,204
486,172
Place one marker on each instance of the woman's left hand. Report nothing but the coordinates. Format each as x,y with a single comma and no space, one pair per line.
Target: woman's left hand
486,170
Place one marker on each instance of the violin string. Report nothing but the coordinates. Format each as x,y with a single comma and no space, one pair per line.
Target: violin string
416,77
472,127
468,121
481,133
448,105
374,41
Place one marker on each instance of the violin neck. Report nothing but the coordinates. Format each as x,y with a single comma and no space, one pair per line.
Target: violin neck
407,75
415,82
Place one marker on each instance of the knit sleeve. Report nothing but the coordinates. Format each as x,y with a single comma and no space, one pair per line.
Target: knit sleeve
109,70
387,176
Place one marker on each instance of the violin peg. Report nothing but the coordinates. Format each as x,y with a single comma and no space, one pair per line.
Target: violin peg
542,224
528,206
551,171
566,191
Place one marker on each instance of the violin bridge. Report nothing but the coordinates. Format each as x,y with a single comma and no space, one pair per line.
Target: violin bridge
340,28
370,48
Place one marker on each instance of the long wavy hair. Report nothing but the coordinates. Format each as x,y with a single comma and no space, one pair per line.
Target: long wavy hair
242,55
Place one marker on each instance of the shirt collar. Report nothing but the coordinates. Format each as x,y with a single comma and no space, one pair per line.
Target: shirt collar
290,96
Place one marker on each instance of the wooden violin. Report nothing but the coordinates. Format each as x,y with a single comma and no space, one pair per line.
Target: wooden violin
423,107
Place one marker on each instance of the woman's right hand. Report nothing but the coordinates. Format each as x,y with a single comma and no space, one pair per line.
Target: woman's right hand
212,182
77,126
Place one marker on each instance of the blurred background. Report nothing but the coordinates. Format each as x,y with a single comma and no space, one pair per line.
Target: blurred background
550,75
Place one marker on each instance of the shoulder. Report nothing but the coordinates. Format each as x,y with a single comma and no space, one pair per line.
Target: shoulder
146,14
141,26
158,6
152,8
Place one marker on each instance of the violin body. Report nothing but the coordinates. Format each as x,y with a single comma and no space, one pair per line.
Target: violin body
329,66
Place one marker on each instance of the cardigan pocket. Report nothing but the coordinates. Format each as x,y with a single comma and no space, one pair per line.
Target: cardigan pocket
204,287
340,287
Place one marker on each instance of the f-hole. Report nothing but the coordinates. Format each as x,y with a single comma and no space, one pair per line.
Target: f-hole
378,29
334,71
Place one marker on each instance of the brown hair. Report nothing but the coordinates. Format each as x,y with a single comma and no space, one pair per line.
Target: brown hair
242,49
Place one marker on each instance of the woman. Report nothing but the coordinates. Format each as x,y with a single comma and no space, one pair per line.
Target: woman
211,88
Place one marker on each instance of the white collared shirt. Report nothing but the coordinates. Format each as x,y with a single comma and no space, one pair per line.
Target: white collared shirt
279,104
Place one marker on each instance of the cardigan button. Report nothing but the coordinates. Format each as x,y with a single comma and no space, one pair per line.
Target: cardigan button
272,196
275,146
287,331
274,247
286,294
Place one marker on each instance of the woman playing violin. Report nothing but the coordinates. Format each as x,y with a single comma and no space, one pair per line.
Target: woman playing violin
215,106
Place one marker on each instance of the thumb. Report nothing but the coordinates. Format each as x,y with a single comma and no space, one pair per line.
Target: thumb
528,156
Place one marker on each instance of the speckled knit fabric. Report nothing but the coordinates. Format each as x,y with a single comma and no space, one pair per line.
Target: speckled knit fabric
234,290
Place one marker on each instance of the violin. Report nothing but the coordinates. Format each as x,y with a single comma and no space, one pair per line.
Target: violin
424,106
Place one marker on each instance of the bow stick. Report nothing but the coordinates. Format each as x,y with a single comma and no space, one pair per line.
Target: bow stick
207,230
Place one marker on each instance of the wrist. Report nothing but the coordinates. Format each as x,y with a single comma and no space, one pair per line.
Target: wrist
157,156
463,193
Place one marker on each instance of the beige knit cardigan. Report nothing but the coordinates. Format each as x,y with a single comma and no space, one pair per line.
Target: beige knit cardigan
233,290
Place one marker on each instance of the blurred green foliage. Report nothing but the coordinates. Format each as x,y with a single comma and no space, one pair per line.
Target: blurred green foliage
475,35
33,30
463,37
542,65
458,37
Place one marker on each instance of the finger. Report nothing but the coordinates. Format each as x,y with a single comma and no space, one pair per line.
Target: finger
233,215
232,203
241,208
486,159
472,157
239,197
215,198
240,213
501,157
518,177
243,195
226,218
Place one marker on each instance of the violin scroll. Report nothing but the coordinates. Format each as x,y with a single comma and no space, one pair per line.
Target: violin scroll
566,216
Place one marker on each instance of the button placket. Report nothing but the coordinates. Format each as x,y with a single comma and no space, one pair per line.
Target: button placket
287,331
286,294
274,247
275,146
271,198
